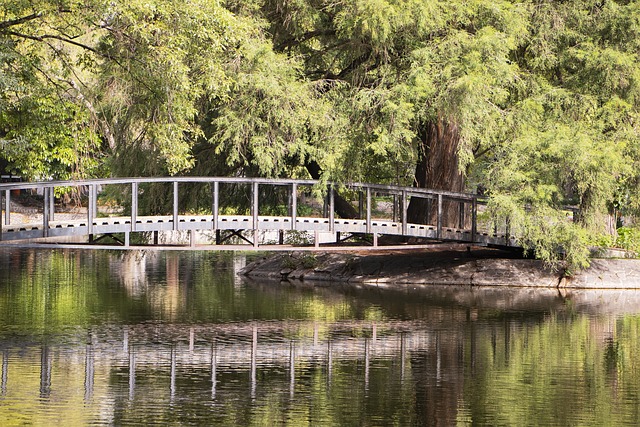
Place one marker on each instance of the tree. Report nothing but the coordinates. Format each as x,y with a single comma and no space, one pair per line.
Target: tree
134,72
537,102
574,122
44,133
411,83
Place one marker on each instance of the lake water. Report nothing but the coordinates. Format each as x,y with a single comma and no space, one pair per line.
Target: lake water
142,338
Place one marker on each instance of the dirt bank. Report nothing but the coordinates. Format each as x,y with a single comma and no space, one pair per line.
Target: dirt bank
441,265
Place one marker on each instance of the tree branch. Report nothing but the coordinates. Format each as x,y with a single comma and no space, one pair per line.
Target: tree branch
44,38
55,37
18,21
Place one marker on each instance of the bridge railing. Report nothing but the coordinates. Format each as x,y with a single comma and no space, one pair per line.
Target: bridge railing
297,193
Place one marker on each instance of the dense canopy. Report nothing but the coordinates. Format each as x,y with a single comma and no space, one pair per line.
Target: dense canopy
534,103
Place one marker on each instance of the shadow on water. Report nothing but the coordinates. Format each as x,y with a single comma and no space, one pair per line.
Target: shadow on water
409,300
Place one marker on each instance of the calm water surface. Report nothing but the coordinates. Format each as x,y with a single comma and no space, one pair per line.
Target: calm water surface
127,338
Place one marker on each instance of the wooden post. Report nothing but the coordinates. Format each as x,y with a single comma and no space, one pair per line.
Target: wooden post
368,209
439,220
175,206
45,212
90,212
404,212
94,204
255,207
7,207
216,204
474,219
332,209
294,205
461,216
134,205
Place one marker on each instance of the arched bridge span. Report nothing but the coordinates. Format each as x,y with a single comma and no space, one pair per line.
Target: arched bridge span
257,212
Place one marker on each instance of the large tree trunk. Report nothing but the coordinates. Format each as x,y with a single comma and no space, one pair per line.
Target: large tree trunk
437,169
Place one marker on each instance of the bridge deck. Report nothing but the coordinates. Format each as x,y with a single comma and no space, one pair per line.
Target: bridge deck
114,225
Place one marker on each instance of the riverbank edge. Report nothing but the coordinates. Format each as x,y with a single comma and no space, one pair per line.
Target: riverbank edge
440,265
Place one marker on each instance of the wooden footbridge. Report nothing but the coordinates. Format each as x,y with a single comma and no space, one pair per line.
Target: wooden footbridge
277,213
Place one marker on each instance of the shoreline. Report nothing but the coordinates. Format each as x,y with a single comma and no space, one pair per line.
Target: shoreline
440,265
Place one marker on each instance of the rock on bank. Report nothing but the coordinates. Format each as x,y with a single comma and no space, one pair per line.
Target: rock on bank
440,265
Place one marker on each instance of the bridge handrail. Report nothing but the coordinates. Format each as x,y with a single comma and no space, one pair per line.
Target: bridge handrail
367,192
390,189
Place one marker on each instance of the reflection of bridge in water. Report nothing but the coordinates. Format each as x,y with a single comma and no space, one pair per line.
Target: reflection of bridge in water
219,349
306,206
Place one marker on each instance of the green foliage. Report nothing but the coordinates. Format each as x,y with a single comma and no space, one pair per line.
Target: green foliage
627,238
49,139
544,97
